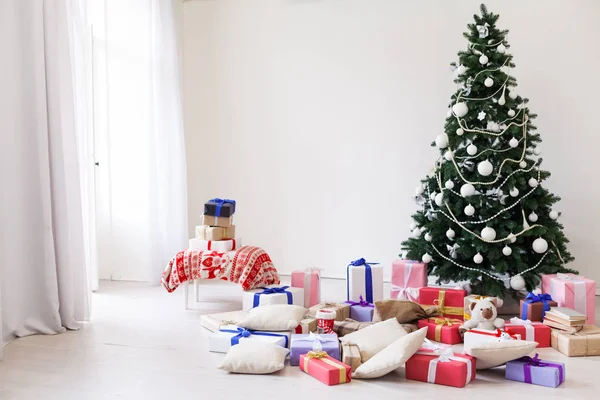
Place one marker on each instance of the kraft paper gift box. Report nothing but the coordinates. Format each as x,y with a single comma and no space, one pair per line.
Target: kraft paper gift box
364,279
348,325
307,325
214,322
586,342
205,232
342,310
272,295
445,368
477,336
302,344
223,222
407,278
216,245
361,310
450,301
530,331
219,207
535,371
310,281
534,306
572,291
222,340
351,355
444,330
324,368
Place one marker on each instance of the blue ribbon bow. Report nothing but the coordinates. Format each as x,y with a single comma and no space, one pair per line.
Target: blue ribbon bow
534,298
274,290
244,333
220,203
368,278
361,302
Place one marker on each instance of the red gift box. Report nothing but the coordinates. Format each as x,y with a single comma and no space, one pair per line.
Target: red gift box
446,369
450,301
530,331
326,369
444,330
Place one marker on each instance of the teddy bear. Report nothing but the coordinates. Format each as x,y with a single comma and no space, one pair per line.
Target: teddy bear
483,315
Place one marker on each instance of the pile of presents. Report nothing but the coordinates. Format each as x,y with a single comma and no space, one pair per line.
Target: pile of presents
217,231
366,336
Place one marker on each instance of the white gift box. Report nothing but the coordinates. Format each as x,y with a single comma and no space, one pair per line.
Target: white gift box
297,295
216,245
479,336
213,322
221,340
357,282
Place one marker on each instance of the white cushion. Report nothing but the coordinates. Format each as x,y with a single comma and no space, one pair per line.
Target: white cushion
276,317
490,355
372,339
392,357
254,358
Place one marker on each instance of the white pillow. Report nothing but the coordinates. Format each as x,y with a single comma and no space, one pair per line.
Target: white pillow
254,358
276,317
490,355
392,357
372,339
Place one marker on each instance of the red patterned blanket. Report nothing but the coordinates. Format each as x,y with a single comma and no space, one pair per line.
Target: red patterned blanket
249,266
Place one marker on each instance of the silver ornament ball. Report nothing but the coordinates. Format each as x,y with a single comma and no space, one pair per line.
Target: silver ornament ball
511,113
449,185
512,238
441,141
471,149
540,245
517,282
439,199
477,258
533,217
523,164
514,192
489,82
501,48
461,70
450,234
416,232
488,234
483,59
467,190
448,155
512,94
553,214
469,210
460,109
485,168
426,258
533,182
460,131
513,142
537,151
428,237
507,251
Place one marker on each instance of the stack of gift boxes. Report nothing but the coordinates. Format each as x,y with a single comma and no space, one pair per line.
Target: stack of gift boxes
217,231
323,342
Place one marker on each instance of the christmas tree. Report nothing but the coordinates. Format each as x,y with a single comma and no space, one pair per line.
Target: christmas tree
484,217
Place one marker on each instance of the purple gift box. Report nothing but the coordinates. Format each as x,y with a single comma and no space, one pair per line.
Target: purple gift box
361,311
535,371
302,344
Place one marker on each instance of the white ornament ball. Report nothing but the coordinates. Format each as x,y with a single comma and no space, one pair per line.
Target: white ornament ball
416,232
460,131
512,238
511,113
483,59
467,190
432,195
448,155
426,258
501,48
441,141
533,217
428,237
450,234
449,184
533,182
514,192
553,214
469,210
537,151
513,142
485,168
488,234
523,164
517,282
439,199
507,251
461,70
540,245
472,149
460,109
502,100
412,226
489,82
419,190
512,94
478,258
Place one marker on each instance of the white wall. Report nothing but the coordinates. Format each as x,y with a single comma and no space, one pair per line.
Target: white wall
316,115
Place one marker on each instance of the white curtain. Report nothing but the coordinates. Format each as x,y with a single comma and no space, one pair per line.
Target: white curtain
44,277
141,177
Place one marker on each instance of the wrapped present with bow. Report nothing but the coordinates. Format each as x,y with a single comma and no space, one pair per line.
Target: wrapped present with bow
364,279
223,339
325,368
219,207
449,301
530,331
407,277
535,371
302,344
361,310
272,295
310,281
221,246
206,232
442,329
342,310
534,306
214,322
473,337
438,364
585,342
348,325
572,291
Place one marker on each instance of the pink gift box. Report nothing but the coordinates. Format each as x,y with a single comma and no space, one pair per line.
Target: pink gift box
310,281
572,291
407,277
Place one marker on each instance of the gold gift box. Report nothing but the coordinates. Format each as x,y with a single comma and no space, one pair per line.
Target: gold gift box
207,232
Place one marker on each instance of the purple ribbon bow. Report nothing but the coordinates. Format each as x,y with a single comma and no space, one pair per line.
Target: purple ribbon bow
537,362
362,302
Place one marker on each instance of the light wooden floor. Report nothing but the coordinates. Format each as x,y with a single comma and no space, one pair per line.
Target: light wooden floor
142,344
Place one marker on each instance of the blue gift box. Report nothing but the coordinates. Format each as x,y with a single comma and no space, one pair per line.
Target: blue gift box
302,344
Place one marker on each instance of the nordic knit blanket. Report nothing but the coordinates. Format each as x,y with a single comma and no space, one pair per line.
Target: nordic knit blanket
249,266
